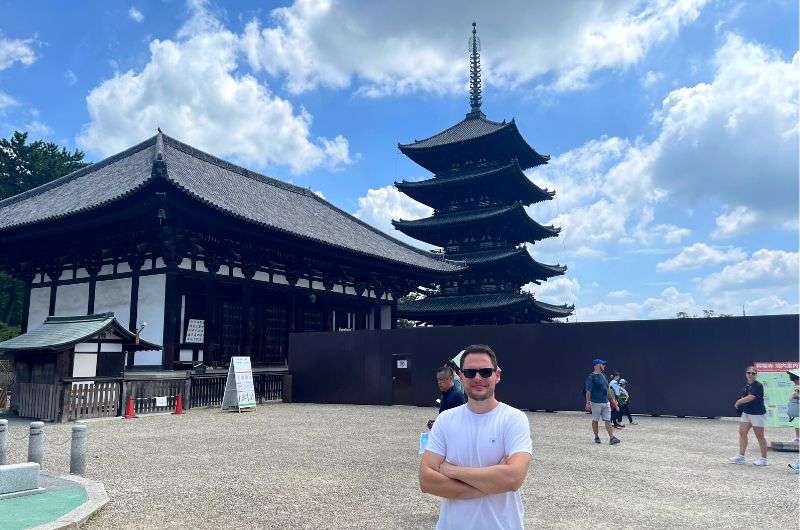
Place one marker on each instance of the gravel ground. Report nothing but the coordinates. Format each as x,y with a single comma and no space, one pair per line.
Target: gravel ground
332,466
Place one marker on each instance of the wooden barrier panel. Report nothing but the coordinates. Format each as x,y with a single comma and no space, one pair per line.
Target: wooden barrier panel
89,399
37,400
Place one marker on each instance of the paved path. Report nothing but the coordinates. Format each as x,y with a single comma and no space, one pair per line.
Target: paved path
330,466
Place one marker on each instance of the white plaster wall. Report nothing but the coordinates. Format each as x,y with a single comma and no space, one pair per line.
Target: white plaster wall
72,299
81,273
316,284
110,347
200,266
105,270
302,283
279,278
159,263
261,276
151,310
40,303
185,263
237,272
85,347
386,317
84,365
224,270
123,267
66,274
114,296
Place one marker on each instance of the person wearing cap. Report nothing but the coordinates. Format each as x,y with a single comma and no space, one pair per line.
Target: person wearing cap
753,412
597,390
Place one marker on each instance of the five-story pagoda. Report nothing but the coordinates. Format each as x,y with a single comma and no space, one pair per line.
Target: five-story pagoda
479,193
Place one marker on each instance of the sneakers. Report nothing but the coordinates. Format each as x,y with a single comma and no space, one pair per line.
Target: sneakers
614,440
597,439
760,461
738,459
634,423
795,467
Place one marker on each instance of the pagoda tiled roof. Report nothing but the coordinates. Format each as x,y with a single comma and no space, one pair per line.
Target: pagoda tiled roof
515,183
467,129
226,187
431,307
502,258
514,213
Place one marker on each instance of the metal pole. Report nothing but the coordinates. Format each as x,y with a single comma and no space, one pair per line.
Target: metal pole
3,430
77,454
36,442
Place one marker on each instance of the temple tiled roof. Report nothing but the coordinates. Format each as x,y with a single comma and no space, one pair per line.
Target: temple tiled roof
60,333
428,308
226,187
500,257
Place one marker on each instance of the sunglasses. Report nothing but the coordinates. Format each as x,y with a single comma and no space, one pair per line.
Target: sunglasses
751,373
470,373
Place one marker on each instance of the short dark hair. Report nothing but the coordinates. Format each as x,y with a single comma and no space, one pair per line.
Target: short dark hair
479,348
445,370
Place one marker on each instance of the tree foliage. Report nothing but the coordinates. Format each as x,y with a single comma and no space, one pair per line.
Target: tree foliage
24,166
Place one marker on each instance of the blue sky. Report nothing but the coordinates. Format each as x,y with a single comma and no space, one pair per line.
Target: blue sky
672,126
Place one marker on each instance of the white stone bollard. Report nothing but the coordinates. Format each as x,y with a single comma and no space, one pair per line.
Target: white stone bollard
3,431
36,442
77,454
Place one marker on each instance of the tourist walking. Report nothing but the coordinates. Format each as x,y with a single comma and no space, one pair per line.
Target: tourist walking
752,413
452,395
596,387
625,401
793,409
478,454
613,398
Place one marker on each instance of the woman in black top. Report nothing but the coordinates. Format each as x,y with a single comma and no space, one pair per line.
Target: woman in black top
752,410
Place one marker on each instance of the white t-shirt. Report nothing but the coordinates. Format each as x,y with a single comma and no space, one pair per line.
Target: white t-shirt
468,439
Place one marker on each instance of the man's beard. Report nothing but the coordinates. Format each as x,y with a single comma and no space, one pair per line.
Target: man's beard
489,395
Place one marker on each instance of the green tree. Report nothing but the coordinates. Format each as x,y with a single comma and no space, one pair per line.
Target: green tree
24,166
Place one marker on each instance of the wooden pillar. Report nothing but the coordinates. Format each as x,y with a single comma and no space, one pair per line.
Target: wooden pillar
172,310
54,273
327,314
93,269
246,334
26,278
210,343
135,262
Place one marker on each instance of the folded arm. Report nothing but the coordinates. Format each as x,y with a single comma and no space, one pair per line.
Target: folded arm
744,400
506,476
432,481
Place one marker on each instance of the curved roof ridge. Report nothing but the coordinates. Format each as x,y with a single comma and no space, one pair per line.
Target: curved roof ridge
78,173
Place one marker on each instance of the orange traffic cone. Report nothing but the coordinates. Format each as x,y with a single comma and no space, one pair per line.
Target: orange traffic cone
130,413
178,405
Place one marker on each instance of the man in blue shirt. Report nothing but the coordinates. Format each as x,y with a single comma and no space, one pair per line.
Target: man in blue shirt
452,395
596,387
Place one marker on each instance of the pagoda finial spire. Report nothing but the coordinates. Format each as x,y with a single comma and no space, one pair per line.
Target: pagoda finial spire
474,74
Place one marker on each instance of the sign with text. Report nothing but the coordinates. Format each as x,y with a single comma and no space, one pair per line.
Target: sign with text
240,394
778,389
196,331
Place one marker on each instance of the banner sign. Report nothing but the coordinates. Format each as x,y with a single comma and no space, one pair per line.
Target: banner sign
239,391
778,389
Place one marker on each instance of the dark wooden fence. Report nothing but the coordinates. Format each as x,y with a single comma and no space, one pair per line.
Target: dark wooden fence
681,367
99,397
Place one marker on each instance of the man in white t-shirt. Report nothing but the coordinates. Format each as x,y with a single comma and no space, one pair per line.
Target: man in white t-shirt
478,454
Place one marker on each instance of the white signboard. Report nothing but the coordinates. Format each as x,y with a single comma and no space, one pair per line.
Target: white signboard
402,363
239,391
195,331
161,401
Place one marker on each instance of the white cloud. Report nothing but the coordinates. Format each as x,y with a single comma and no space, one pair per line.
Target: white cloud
652,78
699,255
764,270
622,293
379,206
192,88
16,50
558,290
735,221
734,139
70,77
385,47
7,101
135,15
670,302
38,129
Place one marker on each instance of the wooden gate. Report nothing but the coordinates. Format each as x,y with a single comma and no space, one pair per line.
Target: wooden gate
91,400
37,400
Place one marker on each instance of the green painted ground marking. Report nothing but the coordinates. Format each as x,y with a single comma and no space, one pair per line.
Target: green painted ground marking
32,510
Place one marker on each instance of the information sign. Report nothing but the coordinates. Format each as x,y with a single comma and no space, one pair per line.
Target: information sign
778,388
239,391
195,331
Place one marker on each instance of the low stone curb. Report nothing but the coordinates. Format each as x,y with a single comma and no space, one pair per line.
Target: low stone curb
97,498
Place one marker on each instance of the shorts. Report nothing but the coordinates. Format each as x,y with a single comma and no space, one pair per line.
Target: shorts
756,420
601,411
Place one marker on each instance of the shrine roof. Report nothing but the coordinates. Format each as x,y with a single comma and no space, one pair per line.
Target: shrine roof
449,305
467,129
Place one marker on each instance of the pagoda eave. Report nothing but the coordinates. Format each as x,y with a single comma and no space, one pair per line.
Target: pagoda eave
481,306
